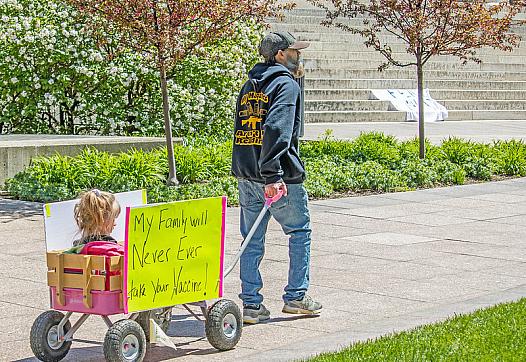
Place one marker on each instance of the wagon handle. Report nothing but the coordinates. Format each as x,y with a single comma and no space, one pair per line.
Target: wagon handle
268,202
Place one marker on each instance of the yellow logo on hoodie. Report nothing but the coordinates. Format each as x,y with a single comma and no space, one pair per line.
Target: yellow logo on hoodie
255,108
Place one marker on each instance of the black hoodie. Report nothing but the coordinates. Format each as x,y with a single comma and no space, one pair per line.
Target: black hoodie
267,127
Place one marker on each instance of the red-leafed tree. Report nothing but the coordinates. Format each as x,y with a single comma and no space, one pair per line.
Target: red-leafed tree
428,28
169,30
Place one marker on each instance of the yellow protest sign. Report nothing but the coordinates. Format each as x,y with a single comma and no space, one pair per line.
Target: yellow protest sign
174,253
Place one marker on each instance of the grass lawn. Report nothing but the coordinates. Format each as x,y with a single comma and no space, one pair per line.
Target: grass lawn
494,334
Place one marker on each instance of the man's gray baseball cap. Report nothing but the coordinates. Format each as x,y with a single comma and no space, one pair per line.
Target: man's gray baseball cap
279,40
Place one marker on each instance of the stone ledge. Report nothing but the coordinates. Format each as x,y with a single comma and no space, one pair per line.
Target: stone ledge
16,151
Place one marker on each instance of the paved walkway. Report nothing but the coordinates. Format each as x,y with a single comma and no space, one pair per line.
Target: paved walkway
482,131
380,263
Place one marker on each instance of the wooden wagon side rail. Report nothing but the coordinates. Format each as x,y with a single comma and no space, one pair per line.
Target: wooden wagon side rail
86,272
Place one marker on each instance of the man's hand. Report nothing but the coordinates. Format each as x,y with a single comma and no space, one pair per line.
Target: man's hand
272,190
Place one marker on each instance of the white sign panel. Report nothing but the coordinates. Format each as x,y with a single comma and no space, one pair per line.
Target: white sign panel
62,230
406,100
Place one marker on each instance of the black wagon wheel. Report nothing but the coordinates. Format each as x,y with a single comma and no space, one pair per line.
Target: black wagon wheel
223,325
125,341
44,337
161,316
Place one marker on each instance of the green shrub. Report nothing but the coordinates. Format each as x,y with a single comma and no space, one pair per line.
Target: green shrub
62,177
58,75
510,158
319,175
371,175
479,168
456,150
448,173
375,146
476,159
226,186
344,178
410,150
26,187
325,148
417,173
203,167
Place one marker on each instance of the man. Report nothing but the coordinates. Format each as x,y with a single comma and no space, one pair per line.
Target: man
266,161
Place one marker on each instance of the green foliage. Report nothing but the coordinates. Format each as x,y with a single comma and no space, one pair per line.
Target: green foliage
457,150
417,173
319,174
59,75
448,173
375,146
409,150
224,186
511,157
494,334
371,175
476,159
372,162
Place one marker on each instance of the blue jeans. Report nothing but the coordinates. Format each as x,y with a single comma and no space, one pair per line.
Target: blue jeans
292,214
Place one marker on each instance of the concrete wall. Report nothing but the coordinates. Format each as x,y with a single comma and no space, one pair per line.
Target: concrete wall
16,151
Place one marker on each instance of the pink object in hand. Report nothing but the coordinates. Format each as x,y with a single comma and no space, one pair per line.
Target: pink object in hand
270,200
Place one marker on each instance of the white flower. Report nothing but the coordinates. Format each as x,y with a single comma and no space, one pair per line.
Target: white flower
14,80
49,99
51,81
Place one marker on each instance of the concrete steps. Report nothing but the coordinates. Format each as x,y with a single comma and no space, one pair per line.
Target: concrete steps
502,57
398,73
347,105
341,72
396,116
376,105
317,18
367,63
410,83
443,94
351,42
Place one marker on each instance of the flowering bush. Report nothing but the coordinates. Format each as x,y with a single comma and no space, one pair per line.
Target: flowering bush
204,87
59,76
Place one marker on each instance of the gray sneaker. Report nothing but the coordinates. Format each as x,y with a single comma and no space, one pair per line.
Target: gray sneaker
304,306
255,315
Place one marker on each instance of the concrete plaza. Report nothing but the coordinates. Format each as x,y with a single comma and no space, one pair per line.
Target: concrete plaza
436,132
380,264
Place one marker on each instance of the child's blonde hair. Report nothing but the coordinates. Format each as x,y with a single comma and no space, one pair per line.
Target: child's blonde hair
94,211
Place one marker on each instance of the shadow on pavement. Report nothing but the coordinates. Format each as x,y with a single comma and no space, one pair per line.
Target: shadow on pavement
16,209
285,319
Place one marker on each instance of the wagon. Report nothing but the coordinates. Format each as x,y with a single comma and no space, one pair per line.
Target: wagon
92,285
95,285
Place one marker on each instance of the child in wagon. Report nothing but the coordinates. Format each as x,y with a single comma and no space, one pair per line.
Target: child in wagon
95,216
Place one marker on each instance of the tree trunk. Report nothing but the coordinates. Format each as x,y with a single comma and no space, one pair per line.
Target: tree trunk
421,133
172,178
